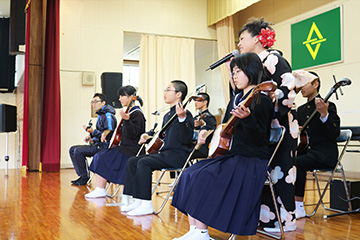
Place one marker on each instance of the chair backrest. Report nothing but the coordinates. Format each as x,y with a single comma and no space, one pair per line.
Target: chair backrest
345,135
276,137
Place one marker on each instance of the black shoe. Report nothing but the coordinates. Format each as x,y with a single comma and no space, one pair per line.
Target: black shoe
75,181
82,181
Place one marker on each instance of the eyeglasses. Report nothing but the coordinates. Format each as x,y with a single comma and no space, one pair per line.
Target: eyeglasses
95,101
167,90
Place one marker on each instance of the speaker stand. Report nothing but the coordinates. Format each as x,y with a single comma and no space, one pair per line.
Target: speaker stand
7,154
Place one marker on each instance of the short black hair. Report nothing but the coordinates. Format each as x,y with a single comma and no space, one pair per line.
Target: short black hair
318,79
206,98
180,86
251,65
254,26
101,96
129,90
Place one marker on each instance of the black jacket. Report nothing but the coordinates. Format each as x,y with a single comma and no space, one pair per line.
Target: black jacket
322,136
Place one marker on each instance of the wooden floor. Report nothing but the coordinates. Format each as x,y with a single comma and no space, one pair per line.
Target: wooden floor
45,206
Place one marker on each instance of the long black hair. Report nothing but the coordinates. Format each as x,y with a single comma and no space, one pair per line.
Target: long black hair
128,91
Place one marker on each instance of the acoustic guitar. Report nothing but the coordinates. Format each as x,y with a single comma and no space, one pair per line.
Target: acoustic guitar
222,137
116,137
303,138
158,139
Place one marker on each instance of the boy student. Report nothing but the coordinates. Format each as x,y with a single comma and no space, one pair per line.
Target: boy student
173,153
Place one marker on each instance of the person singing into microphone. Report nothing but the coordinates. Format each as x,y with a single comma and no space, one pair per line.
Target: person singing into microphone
257,36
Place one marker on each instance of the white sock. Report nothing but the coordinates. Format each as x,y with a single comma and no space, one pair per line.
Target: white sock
188,234
134,205
145,209
299,210
96,193
299,204
200,234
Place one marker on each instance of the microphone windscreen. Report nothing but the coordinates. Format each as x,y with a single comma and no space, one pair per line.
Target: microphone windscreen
236,53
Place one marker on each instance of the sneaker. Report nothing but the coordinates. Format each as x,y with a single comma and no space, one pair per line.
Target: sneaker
97,193
82,181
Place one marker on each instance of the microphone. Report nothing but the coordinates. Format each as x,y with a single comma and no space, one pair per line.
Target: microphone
234,53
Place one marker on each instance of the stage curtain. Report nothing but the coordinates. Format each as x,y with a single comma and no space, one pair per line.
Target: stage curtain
25,143
226,44
50,125
163,59
217,10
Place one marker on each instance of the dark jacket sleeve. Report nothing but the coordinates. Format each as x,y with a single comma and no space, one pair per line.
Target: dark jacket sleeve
210,121
134,124
256,124
332,125
186,129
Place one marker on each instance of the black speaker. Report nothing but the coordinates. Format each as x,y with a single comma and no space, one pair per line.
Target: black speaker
7,62
337,194
17,26
7,118
110,83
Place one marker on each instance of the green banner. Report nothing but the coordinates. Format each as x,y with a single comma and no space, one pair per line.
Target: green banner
317,40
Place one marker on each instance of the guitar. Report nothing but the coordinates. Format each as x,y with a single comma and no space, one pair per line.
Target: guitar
158,139
303,137
222,137
116,137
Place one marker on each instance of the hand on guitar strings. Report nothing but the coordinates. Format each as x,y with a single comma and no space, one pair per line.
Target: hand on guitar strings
202,137
143,138
241,112
180,111
321,107
124,115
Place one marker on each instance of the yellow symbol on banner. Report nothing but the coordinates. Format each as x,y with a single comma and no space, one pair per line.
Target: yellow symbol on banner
309,41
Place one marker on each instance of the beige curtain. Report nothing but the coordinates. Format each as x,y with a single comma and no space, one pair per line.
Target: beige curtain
226,44
220,9
163,59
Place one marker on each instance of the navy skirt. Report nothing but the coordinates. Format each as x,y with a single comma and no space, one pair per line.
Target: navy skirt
223,193
110,164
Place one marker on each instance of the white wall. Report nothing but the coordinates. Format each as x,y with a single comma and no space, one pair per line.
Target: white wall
91,39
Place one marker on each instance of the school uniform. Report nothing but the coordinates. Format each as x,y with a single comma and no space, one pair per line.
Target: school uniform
174,152
111,163
224,192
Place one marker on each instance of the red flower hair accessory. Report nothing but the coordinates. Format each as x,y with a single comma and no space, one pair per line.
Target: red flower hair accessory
266,37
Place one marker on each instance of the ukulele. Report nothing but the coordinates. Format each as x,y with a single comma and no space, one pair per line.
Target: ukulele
116,137
158,139
303,137
222,137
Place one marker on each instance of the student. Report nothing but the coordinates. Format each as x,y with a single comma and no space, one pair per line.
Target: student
323,129
105,125
225,192
110,165
257,36
173,153
204,122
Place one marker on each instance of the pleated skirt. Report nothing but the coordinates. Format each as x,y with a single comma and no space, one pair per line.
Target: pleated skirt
111,165
223,193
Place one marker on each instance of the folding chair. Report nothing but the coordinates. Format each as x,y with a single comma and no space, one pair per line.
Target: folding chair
276,137
178,175
344,137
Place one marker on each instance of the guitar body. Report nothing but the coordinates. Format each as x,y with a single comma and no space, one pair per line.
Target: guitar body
220,142
303,142
116,138
155,144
